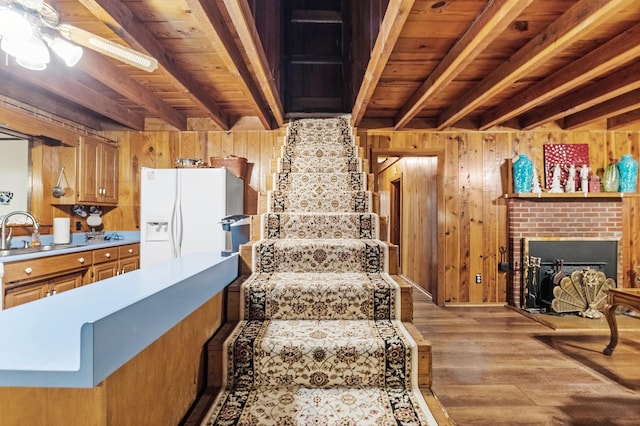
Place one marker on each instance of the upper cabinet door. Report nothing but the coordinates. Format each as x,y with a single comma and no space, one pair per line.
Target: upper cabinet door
108,188
87,170
97,172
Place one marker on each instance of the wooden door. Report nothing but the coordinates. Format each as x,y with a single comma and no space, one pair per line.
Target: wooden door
395,215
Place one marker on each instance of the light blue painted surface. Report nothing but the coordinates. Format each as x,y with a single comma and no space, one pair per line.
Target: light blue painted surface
125,237
78,338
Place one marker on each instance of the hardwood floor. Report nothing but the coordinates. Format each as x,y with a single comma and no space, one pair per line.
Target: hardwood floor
494,366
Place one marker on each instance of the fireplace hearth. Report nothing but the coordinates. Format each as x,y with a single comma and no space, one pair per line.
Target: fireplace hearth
547,260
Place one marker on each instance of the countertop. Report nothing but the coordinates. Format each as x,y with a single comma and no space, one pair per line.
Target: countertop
78,243
78,338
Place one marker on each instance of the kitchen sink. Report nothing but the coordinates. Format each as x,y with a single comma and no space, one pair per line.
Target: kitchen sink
37,249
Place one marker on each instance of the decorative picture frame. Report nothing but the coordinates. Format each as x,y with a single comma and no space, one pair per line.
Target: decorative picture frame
565,155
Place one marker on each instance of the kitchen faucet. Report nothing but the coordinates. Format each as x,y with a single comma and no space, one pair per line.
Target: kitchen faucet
6,239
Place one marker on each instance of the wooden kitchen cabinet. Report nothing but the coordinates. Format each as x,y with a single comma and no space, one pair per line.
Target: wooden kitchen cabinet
28,280
65,283
105,264
24,294
103,271
128,258
97,172
109,262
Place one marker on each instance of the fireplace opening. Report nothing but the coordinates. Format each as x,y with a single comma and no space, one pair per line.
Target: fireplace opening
547,260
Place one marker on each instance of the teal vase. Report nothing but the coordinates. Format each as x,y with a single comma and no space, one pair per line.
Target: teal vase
628,173
522,174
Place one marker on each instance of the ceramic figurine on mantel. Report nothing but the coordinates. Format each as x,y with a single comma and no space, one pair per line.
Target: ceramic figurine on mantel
584,178
594,183
535,182
522,173
570,185
556,186
628,173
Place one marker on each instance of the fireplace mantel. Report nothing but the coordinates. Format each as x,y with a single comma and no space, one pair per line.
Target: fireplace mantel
568,196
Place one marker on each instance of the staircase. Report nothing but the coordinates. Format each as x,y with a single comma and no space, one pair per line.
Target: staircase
320,338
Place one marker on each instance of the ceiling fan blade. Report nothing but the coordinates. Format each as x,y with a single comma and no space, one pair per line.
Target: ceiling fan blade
108,47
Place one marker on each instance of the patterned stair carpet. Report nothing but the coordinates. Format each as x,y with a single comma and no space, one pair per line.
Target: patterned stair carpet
321,342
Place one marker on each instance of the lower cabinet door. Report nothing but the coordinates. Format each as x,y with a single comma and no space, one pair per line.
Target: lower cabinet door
25,293
65,282
129,264
105,270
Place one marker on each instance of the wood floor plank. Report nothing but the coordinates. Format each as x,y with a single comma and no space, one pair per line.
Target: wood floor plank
495,366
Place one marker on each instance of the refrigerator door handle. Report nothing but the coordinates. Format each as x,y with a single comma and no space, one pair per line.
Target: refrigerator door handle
180,229
175,251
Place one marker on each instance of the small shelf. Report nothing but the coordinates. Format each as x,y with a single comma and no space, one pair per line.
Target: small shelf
571,195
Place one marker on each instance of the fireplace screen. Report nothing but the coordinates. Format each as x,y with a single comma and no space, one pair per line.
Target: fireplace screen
547,260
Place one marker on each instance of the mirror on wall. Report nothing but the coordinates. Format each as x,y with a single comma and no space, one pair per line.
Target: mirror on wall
15,172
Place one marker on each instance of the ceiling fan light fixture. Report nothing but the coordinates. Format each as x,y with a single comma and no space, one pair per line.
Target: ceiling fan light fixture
34,66
32,53
70,53
15,25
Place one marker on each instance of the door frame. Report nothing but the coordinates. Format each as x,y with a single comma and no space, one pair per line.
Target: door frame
440,296
395,215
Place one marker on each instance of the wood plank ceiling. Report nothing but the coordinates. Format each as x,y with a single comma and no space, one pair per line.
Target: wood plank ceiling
468,64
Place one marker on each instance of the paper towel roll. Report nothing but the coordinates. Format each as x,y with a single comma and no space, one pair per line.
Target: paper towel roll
61,230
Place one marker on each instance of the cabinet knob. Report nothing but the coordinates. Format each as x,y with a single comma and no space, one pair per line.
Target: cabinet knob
108,255
28,270
130,250
81,260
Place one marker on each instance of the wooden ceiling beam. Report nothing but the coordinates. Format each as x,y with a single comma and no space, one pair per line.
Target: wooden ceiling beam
568,28
121,20
105,72
616,106
212,22
488,26
623,120
394,19
61,84
244,24
33,96
619,50
616,84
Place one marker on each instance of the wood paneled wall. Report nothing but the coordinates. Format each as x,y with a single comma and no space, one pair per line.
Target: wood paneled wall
474,171
160,150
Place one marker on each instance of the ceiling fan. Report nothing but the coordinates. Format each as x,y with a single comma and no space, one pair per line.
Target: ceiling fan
29,26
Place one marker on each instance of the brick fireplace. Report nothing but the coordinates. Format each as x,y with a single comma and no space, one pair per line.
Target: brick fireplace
562,216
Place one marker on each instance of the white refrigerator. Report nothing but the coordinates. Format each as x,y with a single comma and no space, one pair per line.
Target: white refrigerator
181,210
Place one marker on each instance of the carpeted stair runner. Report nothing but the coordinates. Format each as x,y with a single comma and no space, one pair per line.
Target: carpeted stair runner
321,341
